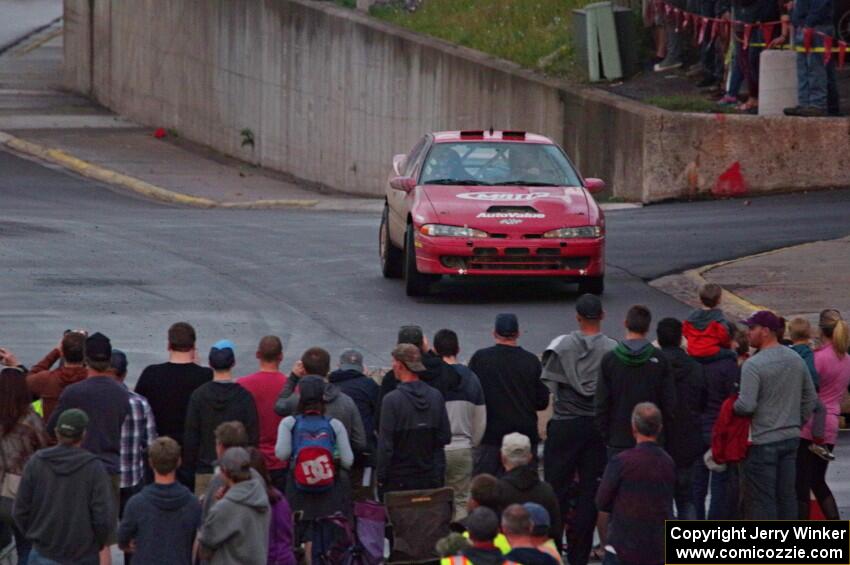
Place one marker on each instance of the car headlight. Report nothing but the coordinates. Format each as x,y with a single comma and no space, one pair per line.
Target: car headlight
439,230
571,233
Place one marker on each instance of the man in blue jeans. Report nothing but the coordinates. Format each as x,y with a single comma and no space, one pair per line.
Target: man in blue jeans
778,393
813,76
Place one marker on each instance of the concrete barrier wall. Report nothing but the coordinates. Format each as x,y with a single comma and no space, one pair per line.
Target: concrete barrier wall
329,99
330,95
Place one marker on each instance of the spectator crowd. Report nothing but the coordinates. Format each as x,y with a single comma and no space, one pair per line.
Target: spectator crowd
721,43
598,438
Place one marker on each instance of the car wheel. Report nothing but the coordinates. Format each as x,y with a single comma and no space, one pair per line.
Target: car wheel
415,283
592,285
391,256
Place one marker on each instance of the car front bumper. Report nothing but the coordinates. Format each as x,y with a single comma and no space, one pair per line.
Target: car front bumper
568,258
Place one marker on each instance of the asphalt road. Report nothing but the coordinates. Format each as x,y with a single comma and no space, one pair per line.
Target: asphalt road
76,254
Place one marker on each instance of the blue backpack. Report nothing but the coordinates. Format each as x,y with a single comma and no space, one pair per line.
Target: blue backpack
313,444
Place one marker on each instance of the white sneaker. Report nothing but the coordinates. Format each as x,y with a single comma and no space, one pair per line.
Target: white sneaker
822,452
662,66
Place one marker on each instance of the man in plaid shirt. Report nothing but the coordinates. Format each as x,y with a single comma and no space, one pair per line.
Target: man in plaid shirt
137,433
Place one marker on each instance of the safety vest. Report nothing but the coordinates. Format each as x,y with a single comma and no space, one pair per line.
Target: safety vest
550,549
461,560
501,543
38,407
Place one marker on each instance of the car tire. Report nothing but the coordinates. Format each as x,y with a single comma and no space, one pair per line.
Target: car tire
415,283
592,285
392,258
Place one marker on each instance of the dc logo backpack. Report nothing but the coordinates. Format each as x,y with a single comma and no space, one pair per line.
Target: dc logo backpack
313,443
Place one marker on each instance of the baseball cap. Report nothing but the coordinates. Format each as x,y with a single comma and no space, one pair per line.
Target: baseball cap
507,325
72,423
410,356
411,334
589,307
98,347
222,355
235,461
311,389
482,524
351,360
119,361
516,444
765,319
539,518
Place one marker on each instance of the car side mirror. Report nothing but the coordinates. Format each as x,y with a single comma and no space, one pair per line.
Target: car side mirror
398,161
594,185
405,184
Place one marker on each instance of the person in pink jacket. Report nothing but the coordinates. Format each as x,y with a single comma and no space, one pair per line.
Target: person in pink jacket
833,365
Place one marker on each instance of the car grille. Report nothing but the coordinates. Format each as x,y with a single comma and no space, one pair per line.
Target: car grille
487,259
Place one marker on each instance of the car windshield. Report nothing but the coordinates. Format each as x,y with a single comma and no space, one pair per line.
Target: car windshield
495,164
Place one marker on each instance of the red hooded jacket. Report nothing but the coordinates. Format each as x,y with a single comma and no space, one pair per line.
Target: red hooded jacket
707,332
730,438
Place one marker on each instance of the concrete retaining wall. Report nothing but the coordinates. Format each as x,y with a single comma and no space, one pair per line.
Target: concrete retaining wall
330,95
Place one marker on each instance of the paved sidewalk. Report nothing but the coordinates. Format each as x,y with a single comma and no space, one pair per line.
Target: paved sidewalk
39,120
22,17
795,281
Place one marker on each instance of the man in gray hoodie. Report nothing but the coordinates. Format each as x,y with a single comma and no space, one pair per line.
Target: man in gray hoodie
65,505
317,362
571,368
236,530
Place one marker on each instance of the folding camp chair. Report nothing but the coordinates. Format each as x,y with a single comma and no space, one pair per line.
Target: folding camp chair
418,519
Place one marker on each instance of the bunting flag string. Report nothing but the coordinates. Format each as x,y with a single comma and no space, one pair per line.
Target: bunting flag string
808,34
703,23
704,26
767,32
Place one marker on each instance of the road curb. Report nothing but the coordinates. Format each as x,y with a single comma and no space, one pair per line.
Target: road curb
153,192
137,186
685,286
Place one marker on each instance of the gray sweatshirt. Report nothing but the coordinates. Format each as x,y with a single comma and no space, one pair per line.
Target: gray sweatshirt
337,405
467,410
236,530
571,368
777,391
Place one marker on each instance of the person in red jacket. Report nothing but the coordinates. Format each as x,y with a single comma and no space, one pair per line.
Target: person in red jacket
47,383
708,332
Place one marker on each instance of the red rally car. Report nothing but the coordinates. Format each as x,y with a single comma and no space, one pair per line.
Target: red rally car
490,203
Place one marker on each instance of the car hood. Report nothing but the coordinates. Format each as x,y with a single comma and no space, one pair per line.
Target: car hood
509,208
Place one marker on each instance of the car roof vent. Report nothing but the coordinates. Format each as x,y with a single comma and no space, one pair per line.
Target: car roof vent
472,134
513,135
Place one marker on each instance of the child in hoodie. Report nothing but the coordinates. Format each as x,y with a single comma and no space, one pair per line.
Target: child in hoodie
237,528
800,332
708,332
160,522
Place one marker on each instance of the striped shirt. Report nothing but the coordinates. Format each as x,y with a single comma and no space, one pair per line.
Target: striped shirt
137,433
